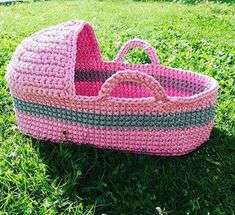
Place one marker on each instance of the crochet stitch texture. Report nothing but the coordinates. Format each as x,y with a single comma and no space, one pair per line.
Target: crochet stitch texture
64,91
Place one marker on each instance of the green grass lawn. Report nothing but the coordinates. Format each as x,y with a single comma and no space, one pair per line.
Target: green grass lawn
41,178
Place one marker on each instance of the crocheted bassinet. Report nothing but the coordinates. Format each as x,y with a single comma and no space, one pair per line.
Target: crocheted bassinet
64,91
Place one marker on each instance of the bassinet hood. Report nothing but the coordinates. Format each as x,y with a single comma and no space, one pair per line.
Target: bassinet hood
44,62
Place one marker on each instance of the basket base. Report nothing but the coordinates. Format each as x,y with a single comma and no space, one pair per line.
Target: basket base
174,142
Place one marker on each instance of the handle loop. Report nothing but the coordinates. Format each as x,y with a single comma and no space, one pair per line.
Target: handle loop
139,44
148,81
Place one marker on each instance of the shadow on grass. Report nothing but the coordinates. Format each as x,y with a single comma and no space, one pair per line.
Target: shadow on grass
130,184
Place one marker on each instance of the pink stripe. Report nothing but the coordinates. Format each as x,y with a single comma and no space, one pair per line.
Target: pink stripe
158,142
92,89
126,91
88,88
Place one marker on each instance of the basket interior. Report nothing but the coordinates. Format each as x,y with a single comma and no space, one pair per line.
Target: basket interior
89,83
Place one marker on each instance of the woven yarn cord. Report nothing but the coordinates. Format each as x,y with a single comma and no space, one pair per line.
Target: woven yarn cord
63,91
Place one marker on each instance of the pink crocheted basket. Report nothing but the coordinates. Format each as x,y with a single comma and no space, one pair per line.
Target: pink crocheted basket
64,91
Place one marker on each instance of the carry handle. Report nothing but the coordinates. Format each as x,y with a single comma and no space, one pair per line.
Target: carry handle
139,44
134,76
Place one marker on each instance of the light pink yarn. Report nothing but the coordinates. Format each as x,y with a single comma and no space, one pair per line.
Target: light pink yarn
64,91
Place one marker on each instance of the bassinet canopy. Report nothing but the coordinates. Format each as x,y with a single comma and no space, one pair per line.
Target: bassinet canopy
47,60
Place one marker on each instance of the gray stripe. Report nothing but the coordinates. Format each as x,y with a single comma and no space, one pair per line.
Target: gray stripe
163,121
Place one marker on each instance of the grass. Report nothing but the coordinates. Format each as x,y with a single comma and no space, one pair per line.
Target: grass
41,178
